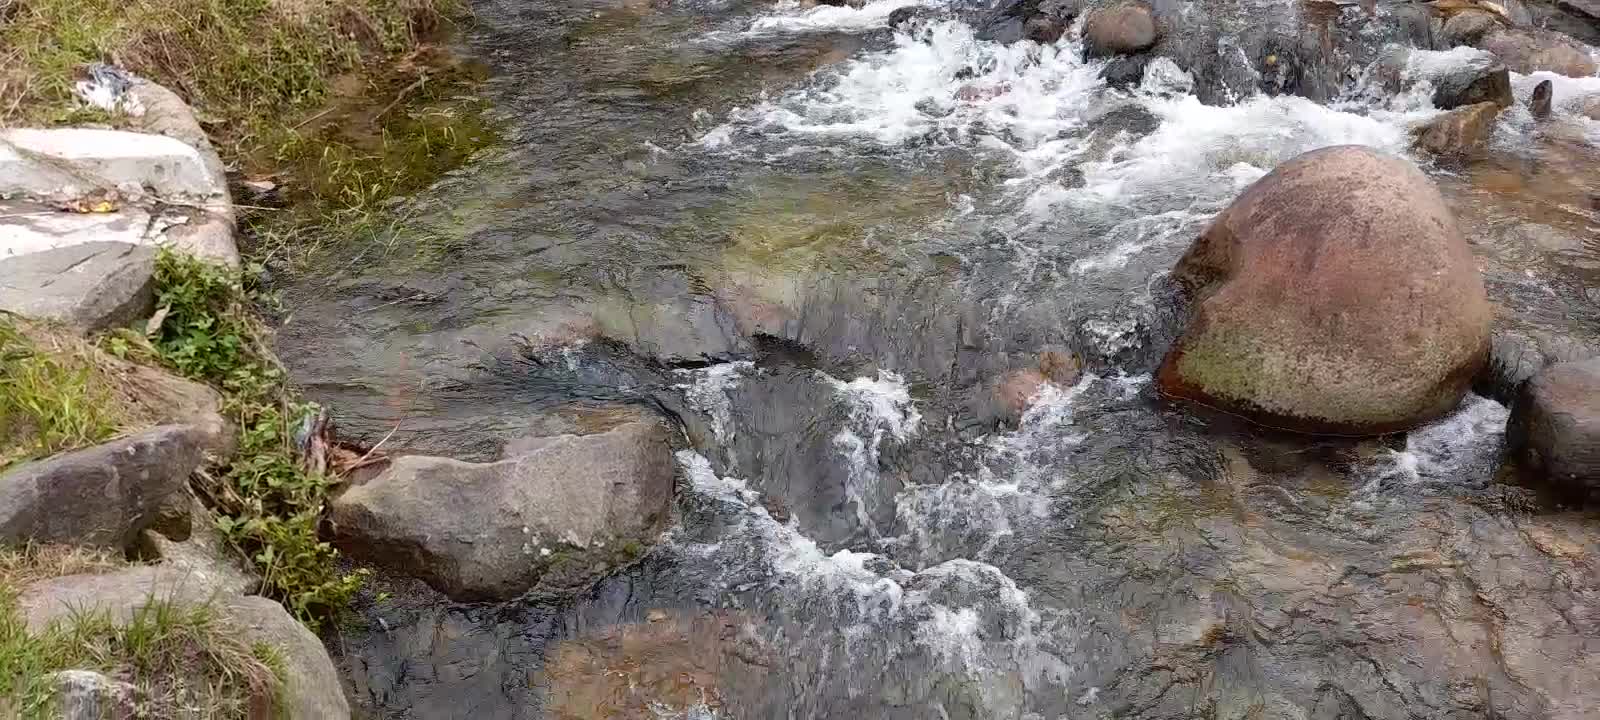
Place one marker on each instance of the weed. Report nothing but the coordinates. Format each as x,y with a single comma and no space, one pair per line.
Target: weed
268,504
51,398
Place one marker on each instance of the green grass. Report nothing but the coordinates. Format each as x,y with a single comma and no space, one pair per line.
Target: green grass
267,503
52,398
184,661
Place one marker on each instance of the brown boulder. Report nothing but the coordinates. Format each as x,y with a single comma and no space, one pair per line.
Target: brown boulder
1335,295
1528,50
1121,29
1463,132
1555,426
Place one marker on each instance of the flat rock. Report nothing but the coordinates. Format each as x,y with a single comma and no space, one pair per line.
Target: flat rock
1463,132
562,507
204,554
99,496
93,286
312,690
69,163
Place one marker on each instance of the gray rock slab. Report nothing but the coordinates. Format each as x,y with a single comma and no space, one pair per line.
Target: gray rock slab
93,286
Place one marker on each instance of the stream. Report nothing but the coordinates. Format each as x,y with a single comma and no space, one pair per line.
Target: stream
902,291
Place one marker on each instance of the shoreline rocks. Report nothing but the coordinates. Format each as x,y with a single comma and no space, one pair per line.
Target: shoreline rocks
1334,296
557,512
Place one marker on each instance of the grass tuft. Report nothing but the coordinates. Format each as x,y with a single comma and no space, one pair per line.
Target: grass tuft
52,396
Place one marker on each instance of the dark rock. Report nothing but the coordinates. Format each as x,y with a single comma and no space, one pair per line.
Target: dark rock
1539,104
1555,427
1484,82
903,18
1121,29
1125,72
1515,356
556,512
1529,50
1335,295
1463,132
93,286
99,496
311,688
1044,29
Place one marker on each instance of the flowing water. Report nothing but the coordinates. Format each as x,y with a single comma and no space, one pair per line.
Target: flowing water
836,254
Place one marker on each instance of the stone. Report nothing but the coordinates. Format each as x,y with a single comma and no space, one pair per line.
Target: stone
1335,295
1467,28
31,227
1472,84
69,163
88,695
203,553
1125,72
99,496
1121,29
1463,132
311,690
1529,50
94,286
557,511
1539,102
1044,29
1555,427
1591,108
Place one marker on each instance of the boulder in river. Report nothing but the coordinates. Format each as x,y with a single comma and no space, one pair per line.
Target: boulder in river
1529,50
1335,295
1472,84
1462,132
1539,103
556,512
1555,426
1121,29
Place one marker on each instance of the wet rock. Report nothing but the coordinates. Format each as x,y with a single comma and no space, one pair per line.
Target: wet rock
1516,356
99,496
1468,27
1555,426
311,687
1529,50
88,695
1121,29
1539,103
1044,29
557,512
1462,133
1591,108
1335,295
1125,72
1473,84
93,286
907,17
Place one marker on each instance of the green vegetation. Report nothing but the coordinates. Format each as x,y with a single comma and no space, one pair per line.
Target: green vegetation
182,661
52,397
269,504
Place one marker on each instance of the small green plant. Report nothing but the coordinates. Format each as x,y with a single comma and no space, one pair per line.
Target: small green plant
268,503
51,399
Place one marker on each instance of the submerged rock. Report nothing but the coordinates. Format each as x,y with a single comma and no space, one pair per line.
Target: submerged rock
1335,295
1121,29
558,511
1555,426
1463,132
100,496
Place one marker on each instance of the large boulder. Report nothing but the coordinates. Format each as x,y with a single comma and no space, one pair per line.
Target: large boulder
1122,29
557,511
1335,295
1555,426
311,685
99,496
93,286
1463,132
1529,50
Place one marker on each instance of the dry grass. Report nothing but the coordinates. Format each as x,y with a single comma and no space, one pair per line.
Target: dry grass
183,661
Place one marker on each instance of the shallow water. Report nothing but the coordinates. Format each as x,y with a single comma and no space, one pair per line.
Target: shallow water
822,246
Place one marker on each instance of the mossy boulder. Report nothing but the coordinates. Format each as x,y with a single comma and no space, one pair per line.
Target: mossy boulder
1336,295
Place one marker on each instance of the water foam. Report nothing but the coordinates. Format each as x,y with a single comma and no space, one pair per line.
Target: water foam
1445,451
